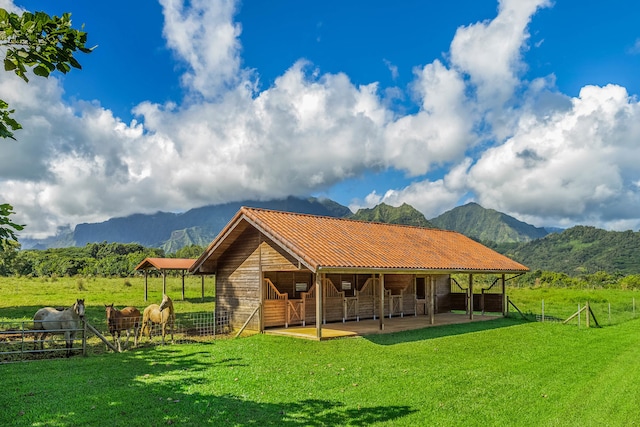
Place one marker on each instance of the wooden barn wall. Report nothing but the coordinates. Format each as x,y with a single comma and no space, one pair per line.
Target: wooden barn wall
274,258
443,293
238,280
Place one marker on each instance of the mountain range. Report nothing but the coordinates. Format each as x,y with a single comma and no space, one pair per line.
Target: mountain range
199,226
577,250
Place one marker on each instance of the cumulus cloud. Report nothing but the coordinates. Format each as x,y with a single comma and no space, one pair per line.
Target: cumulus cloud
512,145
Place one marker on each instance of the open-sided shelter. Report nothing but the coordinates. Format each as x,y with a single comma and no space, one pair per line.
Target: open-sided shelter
279,268
165,265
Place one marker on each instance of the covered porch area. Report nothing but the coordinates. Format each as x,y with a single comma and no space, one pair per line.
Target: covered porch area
371,326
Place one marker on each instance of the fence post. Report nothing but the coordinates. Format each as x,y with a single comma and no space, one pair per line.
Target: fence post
588,313
84,337
543,310
579,316
609,313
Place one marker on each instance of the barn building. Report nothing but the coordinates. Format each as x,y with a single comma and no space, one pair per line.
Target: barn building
280,269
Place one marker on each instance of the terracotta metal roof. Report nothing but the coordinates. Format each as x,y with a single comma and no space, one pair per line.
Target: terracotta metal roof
332,243
165,264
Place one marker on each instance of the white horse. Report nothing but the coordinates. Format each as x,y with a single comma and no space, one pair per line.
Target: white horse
52,321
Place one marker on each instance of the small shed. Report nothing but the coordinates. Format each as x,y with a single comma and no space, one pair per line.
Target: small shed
277,269
165,265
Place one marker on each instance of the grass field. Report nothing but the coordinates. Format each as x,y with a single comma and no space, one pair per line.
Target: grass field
491,373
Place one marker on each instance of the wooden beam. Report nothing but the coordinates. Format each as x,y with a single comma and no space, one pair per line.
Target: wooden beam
381,298
470,296
319,294
182,285
432,300
504,297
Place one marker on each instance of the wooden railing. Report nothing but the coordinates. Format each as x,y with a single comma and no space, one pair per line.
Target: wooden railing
272,293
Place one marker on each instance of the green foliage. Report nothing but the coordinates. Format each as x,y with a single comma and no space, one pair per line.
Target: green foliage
404,214
38,41
8,227
191,251
487,225
95,259
581,250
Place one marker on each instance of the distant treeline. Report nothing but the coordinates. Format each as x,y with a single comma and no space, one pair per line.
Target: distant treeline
597,280
94,259
120,260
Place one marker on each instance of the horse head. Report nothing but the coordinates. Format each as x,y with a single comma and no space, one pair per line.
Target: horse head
166,303
78,307
110,310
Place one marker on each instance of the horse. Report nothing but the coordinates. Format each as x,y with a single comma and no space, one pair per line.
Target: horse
51,321
123,320
156,314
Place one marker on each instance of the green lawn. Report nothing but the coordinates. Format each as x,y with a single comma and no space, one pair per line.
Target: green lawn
503,372
499,372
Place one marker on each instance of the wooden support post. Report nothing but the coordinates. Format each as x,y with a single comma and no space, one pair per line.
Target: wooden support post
504,298
381,306
319,308
432,300
164,282
588,313
183,285
146,285
470,296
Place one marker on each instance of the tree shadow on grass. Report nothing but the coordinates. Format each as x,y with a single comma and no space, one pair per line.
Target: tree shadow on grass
168,387
440,331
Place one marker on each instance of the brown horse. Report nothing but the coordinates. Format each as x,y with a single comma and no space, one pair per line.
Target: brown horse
52,321
162,314
123,320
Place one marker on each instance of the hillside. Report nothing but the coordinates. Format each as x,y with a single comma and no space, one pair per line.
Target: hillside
580,250
487,225
404,214
172,231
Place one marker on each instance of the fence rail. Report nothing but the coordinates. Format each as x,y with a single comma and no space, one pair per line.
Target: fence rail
19,342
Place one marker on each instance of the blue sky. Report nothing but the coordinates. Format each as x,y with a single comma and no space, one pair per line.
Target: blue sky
528,107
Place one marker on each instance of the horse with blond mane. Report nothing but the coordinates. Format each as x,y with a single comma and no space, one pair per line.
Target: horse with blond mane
162,314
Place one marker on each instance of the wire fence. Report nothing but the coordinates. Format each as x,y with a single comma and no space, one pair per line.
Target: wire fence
19,341
605,313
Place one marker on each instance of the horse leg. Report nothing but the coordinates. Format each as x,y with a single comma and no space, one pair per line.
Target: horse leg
42,337
69,342
135,335
126,343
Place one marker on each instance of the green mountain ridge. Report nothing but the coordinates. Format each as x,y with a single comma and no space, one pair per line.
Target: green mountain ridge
404,214
580,250
487,225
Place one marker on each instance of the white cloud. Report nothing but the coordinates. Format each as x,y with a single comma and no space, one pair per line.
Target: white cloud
543,156
392,68
578,164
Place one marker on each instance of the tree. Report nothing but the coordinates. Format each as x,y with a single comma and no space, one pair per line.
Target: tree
44,44
41,42
7,227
